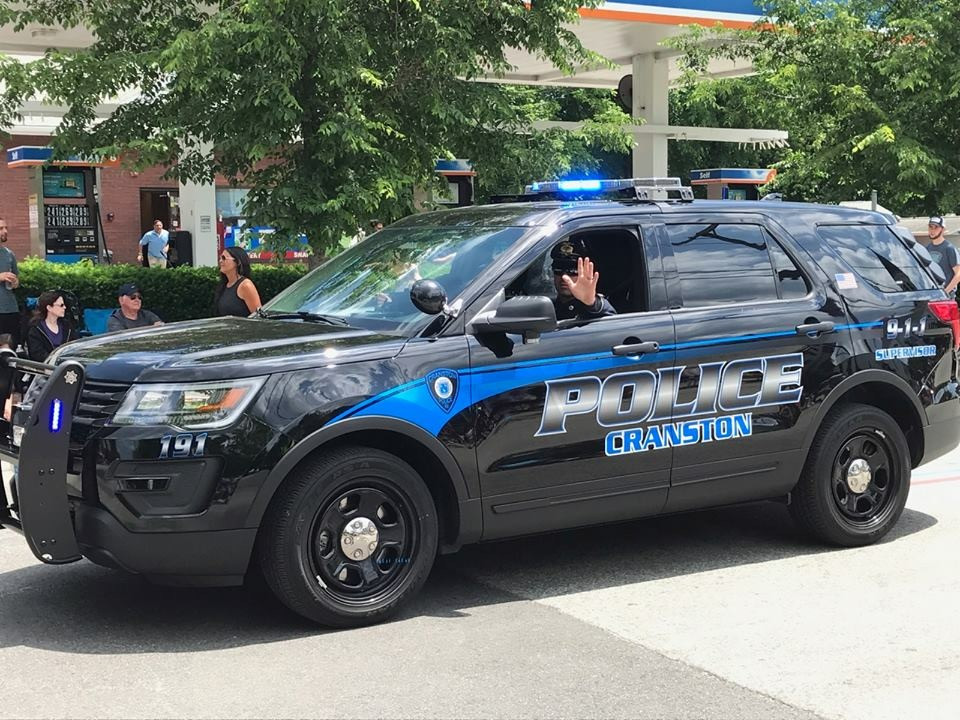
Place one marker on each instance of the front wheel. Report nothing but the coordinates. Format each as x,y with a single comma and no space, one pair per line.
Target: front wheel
856,479
349,538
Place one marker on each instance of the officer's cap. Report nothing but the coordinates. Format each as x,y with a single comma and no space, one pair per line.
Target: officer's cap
566,254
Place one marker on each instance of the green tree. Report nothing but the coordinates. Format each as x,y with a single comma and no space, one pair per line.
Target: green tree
867,89
722,103
507,160
330,110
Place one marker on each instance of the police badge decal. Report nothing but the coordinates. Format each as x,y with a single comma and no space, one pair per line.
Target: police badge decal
443,385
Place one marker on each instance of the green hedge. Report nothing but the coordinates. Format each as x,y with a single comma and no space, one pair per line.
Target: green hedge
182,293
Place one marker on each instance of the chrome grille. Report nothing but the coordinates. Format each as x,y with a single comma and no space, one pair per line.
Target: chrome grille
99,401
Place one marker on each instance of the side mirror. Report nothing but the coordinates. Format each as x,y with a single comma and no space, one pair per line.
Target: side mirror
428,296
528,314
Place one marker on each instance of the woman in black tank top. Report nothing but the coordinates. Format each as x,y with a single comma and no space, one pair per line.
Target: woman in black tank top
236,294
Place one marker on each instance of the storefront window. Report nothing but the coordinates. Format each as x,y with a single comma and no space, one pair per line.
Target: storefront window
233,228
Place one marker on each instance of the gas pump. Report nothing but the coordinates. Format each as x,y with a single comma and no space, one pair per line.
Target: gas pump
733,183
69,215
62,205
459,175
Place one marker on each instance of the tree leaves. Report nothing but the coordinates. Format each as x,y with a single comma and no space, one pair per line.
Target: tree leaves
330,110
866,88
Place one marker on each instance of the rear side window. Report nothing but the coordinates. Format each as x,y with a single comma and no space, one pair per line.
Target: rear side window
878,256
723,264
793,284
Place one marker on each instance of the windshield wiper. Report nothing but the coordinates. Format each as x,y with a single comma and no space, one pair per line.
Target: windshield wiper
303,315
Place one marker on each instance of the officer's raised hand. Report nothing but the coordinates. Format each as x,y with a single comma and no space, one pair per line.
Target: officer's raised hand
583,284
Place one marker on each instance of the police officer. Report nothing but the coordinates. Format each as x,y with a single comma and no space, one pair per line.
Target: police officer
576,283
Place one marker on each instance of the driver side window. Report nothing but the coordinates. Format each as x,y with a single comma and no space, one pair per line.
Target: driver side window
616,257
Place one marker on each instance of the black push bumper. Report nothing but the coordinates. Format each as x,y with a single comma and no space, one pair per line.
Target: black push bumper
35,502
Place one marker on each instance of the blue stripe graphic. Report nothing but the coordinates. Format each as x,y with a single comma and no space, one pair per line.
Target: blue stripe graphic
414,403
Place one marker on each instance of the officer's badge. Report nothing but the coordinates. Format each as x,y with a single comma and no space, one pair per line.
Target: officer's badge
443,386
566,248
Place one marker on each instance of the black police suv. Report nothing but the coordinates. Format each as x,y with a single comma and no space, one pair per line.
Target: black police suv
417,393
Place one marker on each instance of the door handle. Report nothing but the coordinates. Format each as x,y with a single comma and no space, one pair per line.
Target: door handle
643,348
813,329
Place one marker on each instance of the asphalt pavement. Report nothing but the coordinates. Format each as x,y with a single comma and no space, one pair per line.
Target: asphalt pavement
718,614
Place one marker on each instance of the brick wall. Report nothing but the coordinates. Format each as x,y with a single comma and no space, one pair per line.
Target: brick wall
119,194
14,191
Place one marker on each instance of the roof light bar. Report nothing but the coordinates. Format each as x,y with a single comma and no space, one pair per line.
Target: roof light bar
638,188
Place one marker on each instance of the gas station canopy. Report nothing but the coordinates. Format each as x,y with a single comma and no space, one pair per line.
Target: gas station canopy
625,29
631,34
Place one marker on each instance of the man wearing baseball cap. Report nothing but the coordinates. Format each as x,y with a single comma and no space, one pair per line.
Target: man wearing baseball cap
944,254
130,314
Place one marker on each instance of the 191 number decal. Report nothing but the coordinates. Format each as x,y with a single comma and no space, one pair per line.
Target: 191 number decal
183,445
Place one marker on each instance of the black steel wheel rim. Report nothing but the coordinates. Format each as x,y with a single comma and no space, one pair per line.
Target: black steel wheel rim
871,506
367,580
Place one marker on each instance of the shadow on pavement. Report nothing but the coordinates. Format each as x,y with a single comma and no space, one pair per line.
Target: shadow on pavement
83,608
653,549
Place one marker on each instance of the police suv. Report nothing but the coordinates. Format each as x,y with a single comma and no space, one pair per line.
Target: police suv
417,392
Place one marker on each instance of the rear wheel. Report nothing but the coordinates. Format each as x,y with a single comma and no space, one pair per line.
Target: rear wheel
350,538
856,479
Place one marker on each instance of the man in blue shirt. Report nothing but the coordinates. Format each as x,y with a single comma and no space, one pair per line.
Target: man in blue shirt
157,242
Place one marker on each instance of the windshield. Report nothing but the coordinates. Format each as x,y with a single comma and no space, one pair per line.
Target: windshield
369,284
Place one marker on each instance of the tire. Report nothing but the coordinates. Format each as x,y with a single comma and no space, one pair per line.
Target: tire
314,520
841,501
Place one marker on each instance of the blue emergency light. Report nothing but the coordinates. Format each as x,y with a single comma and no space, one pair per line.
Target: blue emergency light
56,415
578,185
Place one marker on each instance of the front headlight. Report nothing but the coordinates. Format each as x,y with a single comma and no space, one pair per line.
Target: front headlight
197,406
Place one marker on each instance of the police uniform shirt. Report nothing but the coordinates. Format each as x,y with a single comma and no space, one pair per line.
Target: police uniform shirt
569,307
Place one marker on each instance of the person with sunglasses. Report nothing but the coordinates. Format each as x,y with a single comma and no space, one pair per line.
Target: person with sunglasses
236,293
130,314
575,281
49,330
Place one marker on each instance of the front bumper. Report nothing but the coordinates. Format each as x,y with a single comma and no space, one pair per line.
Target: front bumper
195,558
60,528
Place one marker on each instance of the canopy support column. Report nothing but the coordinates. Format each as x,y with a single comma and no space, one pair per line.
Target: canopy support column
651,98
